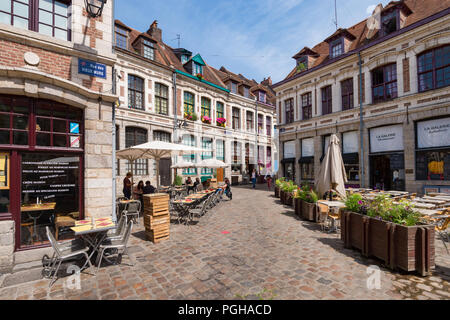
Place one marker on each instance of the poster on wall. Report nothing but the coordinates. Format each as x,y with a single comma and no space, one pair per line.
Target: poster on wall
350,142
433,133
289,149
388,138
308,147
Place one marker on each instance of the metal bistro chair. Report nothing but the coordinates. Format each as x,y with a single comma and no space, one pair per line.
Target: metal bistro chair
63,251
200,211
119,231
132,209
323,215
119,244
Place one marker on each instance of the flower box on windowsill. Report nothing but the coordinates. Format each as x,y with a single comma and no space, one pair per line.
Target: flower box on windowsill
190,116
199,76
206,119
221,122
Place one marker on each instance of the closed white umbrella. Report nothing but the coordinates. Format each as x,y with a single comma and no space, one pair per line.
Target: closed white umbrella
155,150
332,170
211,163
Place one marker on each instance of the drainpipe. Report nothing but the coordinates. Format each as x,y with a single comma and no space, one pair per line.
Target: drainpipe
256,139
114,213
361,123
175,116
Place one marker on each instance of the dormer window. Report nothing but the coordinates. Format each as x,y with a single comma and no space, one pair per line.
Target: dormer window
148,49
184,59
390,22
262,96
121,38
302,64
246,92
198,69
336,48
233,87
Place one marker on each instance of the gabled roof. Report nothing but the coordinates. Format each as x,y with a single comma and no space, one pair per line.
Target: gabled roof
340,33
198,59
305,52
418,9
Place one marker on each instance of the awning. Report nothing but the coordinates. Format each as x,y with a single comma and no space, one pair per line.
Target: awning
288,160
350,158
306,160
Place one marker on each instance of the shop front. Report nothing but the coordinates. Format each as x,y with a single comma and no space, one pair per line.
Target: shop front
350,156
433,154
41,167
386,158
289,160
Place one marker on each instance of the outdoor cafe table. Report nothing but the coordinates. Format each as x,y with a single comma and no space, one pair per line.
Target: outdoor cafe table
93,234
334,206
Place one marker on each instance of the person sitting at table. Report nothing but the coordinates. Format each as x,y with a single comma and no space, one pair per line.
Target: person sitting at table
149,189
138,192
188,181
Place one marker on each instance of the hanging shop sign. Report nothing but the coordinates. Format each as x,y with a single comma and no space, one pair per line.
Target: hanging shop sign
350,142
388,138
433,133
289,149
308,147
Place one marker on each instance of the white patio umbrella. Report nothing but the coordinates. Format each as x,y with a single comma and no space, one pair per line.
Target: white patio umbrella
183,164
155,150
332,171
211,163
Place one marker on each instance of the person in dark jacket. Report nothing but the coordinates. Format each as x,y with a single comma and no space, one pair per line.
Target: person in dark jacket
149,189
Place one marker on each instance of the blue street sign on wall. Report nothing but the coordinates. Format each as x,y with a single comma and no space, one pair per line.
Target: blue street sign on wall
91,68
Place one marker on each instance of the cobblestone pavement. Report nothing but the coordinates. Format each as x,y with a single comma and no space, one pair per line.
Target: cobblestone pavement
249,248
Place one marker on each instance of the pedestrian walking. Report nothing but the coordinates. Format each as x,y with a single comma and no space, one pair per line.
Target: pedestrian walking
254,178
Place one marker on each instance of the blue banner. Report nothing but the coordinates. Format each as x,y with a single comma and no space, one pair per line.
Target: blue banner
91,68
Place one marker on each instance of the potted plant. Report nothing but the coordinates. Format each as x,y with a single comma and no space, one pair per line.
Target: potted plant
221,122
288,189
206,119
390,231
178,181
190,116
283,192
298,202
309,205
278,183
199,76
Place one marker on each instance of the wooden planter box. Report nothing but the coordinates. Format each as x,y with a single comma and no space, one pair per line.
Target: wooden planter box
277,192
309,211
406,248
289,199
298,207
282,196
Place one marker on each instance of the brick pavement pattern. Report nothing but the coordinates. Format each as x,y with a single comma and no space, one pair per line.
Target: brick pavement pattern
268,254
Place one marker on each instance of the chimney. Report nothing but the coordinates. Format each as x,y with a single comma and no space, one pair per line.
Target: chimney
267,82
155,32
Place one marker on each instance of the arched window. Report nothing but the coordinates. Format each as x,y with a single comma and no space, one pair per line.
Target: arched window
384,83
433,68
161,99
133,137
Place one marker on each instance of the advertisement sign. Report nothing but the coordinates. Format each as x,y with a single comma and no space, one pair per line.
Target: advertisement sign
388,138
433,133
308,147
91,68
289,149
350,142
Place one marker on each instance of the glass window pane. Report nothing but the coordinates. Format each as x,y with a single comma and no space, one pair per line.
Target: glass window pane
59,140
45,17
44,29
442,77
4,137
4,120
20,137
426,81
20,23
60,22
61,34
43,139
59,126
61,8
43,112
5,6
5,18
46,4
20,109
20,122
20,9
43,124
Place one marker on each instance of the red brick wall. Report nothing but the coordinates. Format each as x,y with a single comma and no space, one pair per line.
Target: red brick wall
179,103
406,78
11,55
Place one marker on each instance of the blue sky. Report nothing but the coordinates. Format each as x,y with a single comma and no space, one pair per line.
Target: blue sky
254,37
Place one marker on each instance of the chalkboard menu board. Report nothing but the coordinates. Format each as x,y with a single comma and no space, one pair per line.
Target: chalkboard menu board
51,179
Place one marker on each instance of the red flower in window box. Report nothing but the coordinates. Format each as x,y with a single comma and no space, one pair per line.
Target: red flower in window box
199,76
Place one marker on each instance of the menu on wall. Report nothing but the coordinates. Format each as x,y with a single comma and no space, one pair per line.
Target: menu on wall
433,133
51,179
387,138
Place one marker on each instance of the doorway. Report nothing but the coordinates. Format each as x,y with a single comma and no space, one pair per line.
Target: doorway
387,172
220,174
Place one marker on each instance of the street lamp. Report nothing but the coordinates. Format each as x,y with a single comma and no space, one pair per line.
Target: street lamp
182,124
94,8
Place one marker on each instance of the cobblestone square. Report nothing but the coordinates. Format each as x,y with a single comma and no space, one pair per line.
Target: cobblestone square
266,253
